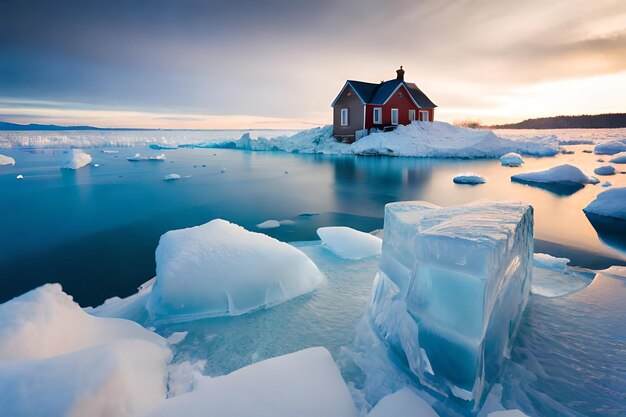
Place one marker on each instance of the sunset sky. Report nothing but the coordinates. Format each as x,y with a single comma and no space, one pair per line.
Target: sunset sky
279,64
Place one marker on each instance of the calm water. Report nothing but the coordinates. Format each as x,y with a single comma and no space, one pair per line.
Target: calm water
95,230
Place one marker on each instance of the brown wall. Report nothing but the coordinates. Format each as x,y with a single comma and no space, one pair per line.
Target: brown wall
352,102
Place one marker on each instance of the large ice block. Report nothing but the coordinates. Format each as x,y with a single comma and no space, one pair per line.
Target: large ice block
462,274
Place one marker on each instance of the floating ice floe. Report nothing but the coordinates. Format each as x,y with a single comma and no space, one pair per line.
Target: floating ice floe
610,148
606,184
171,177
348,243
268,224
553,278
619,158
220,268
6,160
109,151
566,178
176,337
604,170
511,159
402,403
306,383
139,158
610,203
469,178
20,177
77,159
464,274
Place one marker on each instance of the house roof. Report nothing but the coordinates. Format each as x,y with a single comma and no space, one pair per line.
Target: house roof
370,93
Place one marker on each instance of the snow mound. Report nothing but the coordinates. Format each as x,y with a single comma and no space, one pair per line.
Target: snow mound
268,224
77,159
619,158
306,383
610,148
511,159
610,203
171,177
604,170
46,322
348,243
122,378
6,160
220,268
565,175
402,403
469,178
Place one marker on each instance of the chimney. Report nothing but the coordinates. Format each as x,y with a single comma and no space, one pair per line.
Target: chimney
400,74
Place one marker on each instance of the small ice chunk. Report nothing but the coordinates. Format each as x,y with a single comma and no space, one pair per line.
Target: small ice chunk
348,243
604,170
402,403
268,224
77,159
511,159
469,178
6,160
565,175
109,151
306,383
20,177
620,158
610,203
96,165
171,177
606,184
545,261
220,268
610,148
176,337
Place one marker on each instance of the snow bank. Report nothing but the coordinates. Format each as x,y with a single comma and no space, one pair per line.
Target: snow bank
46,322
604,170
220,268
469,178
6,160
171,177
303,384
77,159
511,159
268,224
564,175
619,158
403,403
420,139
610,203
348,243
610,148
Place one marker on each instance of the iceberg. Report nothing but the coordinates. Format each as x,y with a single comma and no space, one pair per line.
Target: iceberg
140,158
604,170
348,243
610,203
560,179
402,403
452,286
511,159
77,159
469,178
619,158
220,268
6,160
268,224
610,148
306,383
171,177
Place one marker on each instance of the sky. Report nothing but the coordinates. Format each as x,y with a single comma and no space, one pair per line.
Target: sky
280,64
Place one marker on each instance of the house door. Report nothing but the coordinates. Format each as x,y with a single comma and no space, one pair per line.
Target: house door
394,116
424,116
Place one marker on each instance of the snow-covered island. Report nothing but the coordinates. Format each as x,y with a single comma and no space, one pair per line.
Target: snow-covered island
77,159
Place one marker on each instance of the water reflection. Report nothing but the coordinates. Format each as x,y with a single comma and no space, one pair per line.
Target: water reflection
610,231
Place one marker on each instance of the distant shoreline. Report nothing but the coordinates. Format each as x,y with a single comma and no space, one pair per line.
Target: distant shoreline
6,126
597,121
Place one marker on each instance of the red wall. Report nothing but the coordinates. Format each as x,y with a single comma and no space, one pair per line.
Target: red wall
403,104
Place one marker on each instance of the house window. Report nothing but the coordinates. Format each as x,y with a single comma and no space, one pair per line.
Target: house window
394,116
378,115
424,116
344,117
411,115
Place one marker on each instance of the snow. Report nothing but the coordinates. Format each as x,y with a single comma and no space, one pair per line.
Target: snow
511,159
553,278
610,203
604,170
77,159
610,148
348,243
619,158
306,383
507,413
469,178
268,224
545,261
220,268
132,307
561,175
171,177
6,160
402,403
176,337
463,273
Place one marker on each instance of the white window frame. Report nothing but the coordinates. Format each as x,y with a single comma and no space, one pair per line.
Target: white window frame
344,117
424,116
412,115
394,111
378,111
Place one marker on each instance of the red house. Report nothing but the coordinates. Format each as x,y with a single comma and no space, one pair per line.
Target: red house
361,106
